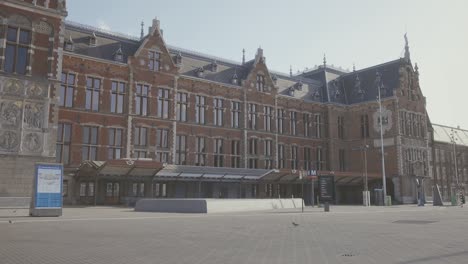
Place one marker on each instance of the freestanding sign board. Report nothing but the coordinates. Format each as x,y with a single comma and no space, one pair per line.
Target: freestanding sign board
326,188
47,193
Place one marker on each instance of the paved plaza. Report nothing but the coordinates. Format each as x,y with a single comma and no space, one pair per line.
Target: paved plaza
347,234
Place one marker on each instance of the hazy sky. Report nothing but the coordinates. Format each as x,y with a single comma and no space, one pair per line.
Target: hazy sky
298,33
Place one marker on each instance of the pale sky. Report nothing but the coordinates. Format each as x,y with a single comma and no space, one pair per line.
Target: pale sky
299,32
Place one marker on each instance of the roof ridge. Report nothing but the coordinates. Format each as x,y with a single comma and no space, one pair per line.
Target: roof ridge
450,127
110,33
371,67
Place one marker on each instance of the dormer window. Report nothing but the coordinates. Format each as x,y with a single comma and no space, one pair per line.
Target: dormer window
298,86
178,58
235,79
214,66
93,40
68,45
200,72
260,83
291,91
118,55
337,94
154,60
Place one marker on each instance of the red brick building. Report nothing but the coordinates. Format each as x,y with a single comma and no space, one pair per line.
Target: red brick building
140,118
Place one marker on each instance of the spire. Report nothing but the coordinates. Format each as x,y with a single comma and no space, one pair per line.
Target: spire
243,56
142,34
407,53
290,70
324,60
354,67
416,68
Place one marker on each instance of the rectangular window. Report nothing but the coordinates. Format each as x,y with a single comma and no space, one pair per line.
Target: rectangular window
83,189
235,114
307,159
342,159
16,52
200,148
163,103
218,152
294,157
117,97
93,87
90,188
162,138
141,99
90,141
181,150
260,83
235,154
140,136
200,108
318,125
159,190
63,143
281,121
364,126
281,160
293,120
341,127
319,159
253,146
181,107
306,121
65,188
154,60
115,148
218,112
253,163
268,153
162,156
267,117
67,88
252,116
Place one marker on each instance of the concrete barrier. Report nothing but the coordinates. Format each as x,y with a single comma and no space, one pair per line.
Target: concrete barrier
213,205
15,202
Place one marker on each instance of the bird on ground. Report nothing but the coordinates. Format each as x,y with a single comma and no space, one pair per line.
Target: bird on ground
295,224
9,221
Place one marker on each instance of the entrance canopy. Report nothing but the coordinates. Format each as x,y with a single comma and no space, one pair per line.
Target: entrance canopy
116,168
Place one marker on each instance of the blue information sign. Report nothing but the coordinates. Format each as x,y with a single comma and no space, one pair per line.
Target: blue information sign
48,182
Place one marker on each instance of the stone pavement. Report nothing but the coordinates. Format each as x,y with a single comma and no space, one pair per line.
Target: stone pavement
348,234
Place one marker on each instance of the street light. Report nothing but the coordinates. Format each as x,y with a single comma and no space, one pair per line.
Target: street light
366,196
384,182
454,145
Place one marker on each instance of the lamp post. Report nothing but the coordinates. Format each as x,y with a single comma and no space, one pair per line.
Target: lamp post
301,172
366,196
384,182
453,139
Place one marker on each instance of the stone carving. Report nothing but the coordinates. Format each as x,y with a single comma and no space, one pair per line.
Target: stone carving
387,121
8,140
10,113
43,27
13,87
35,90
18,20
32,142
33,115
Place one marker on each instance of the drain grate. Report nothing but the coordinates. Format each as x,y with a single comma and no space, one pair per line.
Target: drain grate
348,255
418,222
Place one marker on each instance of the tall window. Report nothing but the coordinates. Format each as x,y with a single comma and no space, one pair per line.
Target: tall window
218,112
63,143
181,107
307,158
154,60
235,114
252,116
218,153
93,86
341,157
163,103
260,83
200,157
281,163
117,97
364,126
280,121
341,127
235,154
294,157
140,140
306,119
200,107
318,125
293,116
162,145
115,143
181,150
90,141
141,99
267,117
67,87
253,151
268,145
16,52
319,159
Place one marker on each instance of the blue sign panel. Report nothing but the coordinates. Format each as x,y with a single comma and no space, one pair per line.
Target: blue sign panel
48,179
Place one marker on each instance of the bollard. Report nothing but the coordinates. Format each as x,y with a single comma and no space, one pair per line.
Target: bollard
326,207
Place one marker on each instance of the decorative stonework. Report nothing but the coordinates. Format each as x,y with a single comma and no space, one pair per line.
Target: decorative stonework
20,21
33,116
387,121
13,87
35,90
9,141
43,27
32,142
10,113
